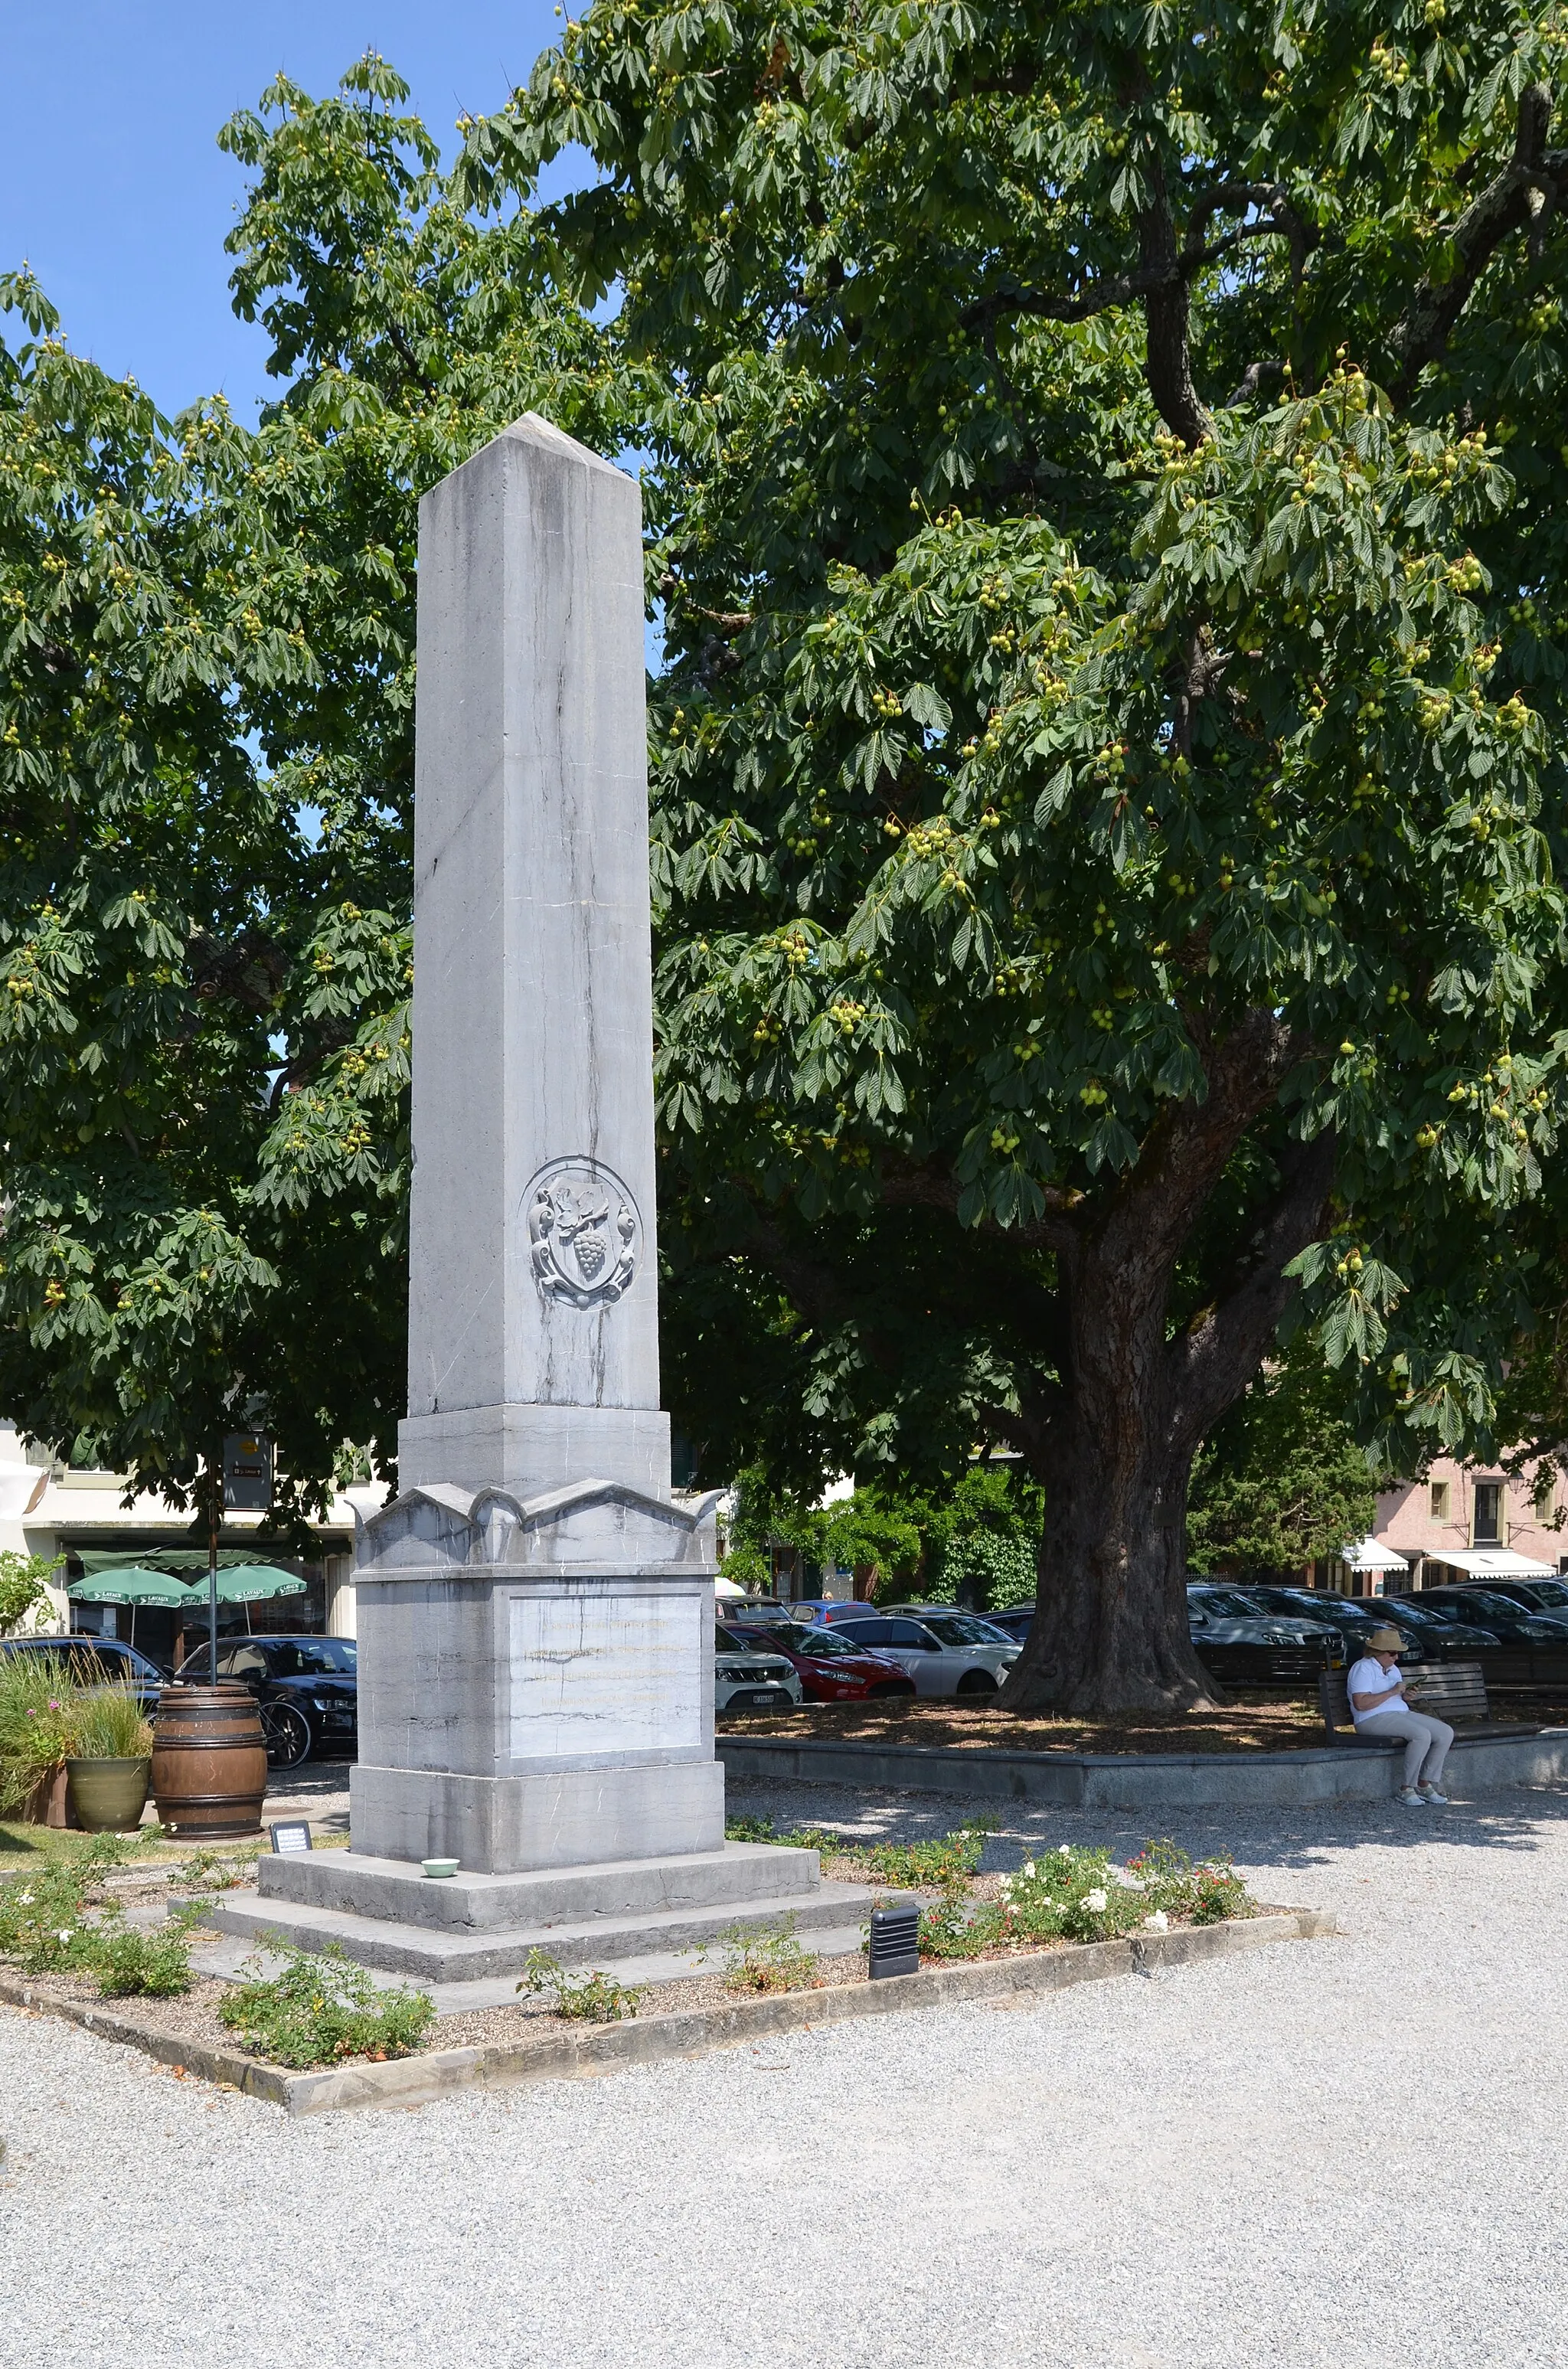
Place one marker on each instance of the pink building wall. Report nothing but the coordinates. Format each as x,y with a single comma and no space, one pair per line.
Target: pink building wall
1412,1521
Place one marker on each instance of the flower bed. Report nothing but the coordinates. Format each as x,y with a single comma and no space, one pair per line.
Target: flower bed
61,1927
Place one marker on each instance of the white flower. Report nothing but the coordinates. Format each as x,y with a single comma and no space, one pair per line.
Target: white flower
64,1936
1028,1867
24,1900
1065,1849
1095,1902
1159,1922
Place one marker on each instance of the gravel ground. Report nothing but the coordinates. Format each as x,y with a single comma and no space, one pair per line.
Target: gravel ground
1344,2152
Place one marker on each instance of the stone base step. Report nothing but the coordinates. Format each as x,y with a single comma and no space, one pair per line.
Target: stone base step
460,1955
359,1885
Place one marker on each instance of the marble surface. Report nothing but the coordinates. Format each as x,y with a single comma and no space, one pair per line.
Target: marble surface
533,1255
598,1674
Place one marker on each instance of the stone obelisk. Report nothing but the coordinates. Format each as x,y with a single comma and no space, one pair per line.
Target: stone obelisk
535,1614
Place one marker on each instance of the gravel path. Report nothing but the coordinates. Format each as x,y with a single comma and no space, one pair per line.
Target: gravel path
1343,2152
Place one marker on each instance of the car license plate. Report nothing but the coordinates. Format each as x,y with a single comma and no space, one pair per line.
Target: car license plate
759,1698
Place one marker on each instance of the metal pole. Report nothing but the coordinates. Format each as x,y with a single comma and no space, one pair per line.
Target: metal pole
213,1483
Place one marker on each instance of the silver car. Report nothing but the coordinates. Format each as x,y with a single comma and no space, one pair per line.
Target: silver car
945,1653
746,1680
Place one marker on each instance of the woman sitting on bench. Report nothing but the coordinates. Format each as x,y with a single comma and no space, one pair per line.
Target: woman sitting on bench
1378,1706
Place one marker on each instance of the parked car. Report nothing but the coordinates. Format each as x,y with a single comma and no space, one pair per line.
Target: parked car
982,1629
1014,1624
747,1678
306,1690
1354,1617
1549,1595
1428,1635
943,1652
831,1667
1531,1648
95,1661
1241,1645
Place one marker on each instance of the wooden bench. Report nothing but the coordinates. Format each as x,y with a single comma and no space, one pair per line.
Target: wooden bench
1449,1691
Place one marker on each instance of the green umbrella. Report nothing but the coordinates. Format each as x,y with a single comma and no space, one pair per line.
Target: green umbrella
133,1586
252,1583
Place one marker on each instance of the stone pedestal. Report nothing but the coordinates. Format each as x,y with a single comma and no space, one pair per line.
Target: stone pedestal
536,1679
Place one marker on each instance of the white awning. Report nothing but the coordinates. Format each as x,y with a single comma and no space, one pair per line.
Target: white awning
729,1591
1495,1563
1367,1555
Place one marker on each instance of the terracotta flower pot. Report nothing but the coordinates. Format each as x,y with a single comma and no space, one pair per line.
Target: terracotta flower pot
49,1802
108,1796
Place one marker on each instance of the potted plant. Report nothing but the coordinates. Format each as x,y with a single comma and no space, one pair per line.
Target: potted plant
110,1758
37,1697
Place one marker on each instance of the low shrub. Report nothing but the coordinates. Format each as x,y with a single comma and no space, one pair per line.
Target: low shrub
595,1997
43,1916
131,1963
322,2008
47,1925
767,1958
943,1859
38,1696
1173,1886
762,1830
210,1870
1072,1895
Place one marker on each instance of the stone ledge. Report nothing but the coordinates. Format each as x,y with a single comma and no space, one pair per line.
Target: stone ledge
606,2048
1165,1780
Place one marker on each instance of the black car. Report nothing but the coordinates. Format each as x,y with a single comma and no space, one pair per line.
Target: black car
1016,1623
1531,1648
1436,1636
1240,1644
1549,1595
1427,1639
97,1660
306,1690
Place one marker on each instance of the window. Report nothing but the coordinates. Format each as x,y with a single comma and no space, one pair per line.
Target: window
1543,1494
1488,1526
1439,1501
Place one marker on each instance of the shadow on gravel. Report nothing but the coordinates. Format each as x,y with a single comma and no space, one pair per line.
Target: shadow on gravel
1300,1838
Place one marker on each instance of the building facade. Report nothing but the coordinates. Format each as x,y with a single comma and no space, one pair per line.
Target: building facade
1453,1524
79,1520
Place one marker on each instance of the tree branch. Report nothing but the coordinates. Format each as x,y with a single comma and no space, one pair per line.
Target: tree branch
1184,1155
1230,1341
1523,196
933,1187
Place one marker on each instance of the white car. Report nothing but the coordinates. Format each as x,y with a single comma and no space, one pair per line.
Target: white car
748,1680
945,1653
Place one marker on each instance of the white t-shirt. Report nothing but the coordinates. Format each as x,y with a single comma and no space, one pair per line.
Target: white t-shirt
1369,1678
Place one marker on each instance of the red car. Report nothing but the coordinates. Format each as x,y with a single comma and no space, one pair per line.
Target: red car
831,1669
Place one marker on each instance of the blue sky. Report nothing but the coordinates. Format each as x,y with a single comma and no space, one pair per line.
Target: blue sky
112,184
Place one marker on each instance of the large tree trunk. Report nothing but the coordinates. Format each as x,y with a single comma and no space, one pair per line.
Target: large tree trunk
1135,1399
1111,1632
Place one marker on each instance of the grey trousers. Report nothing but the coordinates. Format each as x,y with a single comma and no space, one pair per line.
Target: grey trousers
1426,1742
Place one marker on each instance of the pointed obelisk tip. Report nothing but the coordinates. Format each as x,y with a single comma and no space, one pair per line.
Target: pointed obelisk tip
534,428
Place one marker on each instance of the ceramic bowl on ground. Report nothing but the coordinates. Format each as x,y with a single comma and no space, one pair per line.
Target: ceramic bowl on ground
439,1866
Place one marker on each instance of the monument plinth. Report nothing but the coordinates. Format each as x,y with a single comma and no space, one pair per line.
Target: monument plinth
535,1613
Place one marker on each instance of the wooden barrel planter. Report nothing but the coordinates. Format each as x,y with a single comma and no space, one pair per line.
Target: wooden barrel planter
209,1763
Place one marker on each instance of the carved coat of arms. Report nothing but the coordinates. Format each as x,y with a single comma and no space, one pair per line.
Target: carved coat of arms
583,1226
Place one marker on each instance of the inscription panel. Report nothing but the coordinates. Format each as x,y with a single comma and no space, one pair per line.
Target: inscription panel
600,1672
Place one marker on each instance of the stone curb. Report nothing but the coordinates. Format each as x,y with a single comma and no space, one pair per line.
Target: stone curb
415,2080
1142,1781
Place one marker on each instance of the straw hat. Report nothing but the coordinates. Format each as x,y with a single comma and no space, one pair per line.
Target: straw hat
1385,1640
